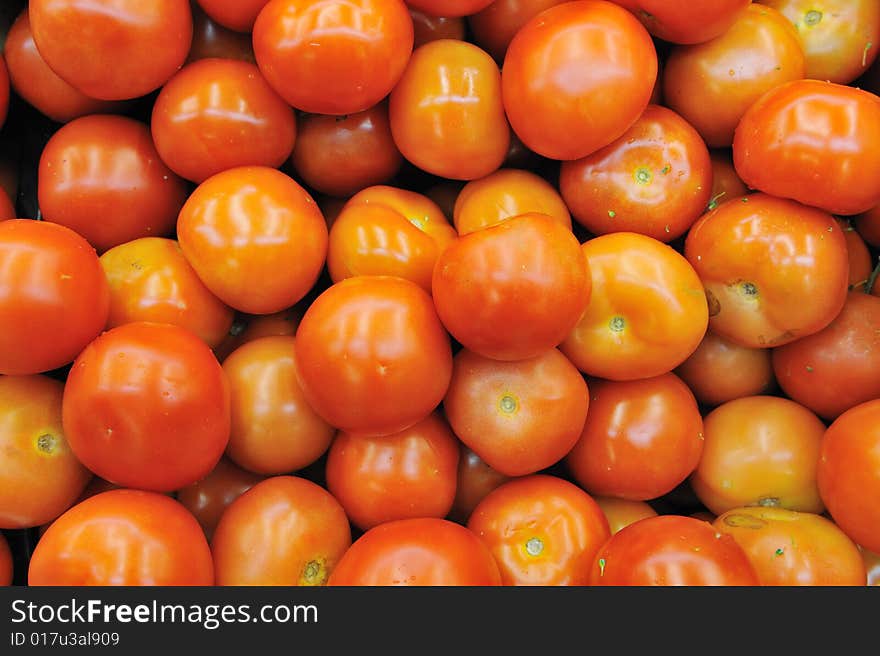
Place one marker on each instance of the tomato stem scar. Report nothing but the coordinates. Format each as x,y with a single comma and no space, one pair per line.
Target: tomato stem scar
534,546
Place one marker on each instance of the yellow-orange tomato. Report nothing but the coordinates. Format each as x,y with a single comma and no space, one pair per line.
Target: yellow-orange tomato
506,193
760,451
647,312
620,513
446,113
794,548
726,185
495,26
274,430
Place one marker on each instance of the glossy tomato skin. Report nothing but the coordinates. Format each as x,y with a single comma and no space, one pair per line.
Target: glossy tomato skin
146,405
527,274
238,15
449,7
211,40
446,112
40,477
123,538
647,312
868,226
620,513
692,22
495,26
427,28
814,142
655,180
251,546
476,479
6,570
542,530
849,473
774,270
372,355
49,277
147,42
611,68
417,552
255,237
362,49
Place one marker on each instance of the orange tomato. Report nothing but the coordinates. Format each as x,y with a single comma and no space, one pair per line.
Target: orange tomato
427,28
448,7
620,513
687,22
868,226
495,26
726,185
860,260
238,15
475,480
211,40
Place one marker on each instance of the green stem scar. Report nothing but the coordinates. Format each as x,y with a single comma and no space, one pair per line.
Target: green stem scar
47,443
617,324
813,17
749,289
643,175
534,547
508,404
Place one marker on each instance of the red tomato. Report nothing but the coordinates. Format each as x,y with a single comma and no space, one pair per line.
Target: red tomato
102,177
687,22
620,513
476,479
238,15
146,405
417,552
609,66
6,570
283,531
427,28
146,41
527,274
49,277
212,40
849,473
815,142
495,26
372,355
449,7
333,56
541,530
123,538
255,237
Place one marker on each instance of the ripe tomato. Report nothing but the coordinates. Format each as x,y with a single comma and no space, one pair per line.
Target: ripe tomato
713,84
641,439
609,66
670,550
285,530
418,552
448,7
7,209
40,477
408,474
6,570
527,274
759,451
146,41
238,15
427,28
333,56
860,260
247,328
50,277
815,142
255,237
495,26
849,473
774,270
792,548
655,180
726,185
212,40
146,405
475,480
520,416
647,313
541,530
372,355
504,194
274,431
620,513
868,226
691,22
123,538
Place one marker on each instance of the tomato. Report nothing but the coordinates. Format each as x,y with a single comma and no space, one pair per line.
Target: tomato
726,185
38,84
372,355
238,15
476,479
340,156
527,274
641,439
274,431
495,26
721,370
620,513
247,328
504,194
655,180
444,194
417,552
446,112
123,538
647,313
690,22
609,66
333,56
815,142
849,473
146,41
6,569
860,261
427,28
759,451
255,237
670,550
212,40
774,270
872,565
7,209
713,84
146,405
542,530
49,277
868,226
9,177
409,474
285,530
208,498
791,548
449,7
40,477
520,416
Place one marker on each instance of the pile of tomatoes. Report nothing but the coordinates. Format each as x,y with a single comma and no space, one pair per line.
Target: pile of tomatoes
440,292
